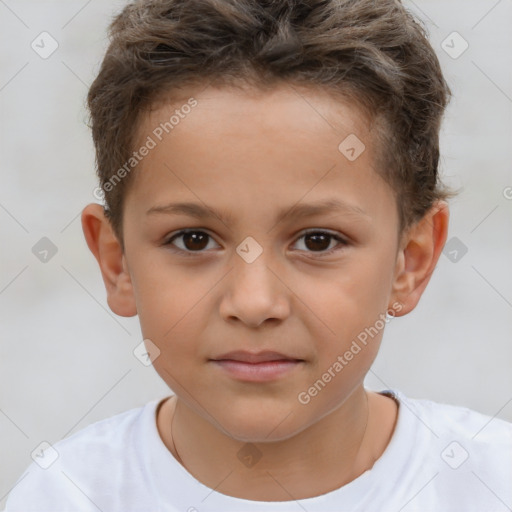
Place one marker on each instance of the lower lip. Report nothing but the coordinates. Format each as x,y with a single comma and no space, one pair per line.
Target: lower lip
257,372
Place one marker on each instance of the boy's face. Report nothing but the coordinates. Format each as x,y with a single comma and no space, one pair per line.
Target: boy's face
252,158
256,160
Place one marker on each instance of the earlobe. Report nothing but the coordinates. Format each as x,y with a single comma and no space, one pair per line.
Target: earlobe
418,256
108,252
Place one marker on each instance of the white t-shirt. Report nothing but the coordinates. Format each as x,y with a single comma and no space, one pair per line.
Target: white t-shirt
441,458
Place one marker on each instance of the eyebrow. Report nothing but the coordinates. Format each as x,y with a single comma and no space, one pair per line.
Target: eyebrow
300,211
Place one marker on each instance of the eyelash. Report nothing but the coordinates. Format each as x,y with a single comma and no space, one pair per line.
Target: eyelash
341,242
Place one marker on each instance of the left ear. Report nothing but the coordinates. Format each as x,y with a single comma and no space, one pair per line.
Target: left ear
417,257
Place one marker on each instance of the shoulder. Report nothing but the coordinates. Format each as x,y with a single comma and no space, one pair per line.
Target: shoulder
466,455
461,422
105,434
66,473
102,441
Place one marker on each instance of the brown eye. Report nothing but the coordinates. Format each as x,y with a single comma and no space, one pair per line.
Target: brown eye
191,241
195,241
321,242
317,241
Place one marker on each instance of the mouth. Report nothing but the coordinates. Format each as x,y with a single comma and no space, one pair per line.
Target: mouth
256,367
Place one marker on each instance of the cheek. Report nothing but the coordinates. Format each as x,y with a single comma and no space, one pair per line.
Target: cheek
163,287
178,330
171,306
350,310
353,296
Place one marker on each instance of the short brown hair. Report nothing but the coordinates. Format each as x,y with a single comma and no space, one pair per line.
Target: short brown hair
372,51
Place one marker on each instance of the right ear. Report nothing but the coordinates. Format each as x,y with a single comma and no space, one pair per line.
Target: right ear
108,252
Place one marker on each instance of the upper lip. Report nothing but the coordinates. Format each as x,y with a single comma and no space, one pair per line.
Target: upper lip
255,357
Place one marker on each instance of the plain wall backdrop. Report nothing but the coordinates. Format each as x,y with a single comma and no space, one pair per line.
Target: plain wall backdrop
66,360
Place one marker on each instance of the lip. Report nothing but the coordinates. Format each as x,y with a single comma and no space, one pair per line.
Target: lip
255,357
256,367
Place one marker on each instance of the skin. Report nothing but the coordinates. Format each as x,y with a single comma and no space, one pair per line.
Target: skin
248,155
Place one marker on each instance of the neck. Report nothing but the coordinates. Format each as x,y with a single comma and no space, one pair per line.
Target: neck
336,449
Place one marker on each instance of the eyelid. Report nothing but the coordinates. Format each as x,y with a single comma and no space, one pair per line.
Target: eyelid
183,231
326,231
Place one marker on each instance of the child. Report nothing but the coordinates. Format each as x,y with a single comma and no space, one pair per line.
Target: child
256,130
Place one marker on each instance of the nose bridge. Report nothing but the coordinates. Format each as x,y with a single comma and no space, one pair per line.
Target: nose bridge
254,292
252,266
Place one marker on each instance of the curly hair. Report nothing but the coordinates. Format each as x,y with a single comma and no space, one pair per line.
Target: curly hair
372,51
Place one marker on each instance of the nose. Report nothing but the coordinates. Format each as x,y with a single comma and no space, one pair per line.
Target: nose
254,293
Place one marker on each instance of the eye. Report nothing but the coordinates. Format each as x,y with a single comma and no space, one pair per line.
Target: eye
196,241
192,241
320,242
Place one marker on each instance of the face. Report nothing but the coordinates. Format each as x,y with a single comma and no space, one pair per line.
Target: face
290,246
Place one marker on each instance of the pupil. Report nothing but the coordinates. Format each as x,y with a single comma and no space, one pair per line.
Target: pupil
195,240
320,241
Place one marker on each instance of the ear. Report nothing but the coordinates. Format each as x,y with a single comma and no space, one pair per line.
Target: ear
417,257
107,250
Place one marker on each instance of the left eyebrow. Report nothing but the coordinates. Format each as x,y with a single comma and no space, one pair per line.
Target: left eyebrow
300,211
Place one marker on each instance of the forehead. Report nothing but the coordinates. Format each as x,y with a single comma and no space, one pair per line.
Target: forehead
299,110
234,144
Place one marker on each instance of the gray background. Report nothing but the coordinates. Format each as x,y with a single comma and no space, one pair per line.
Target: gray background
66,360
